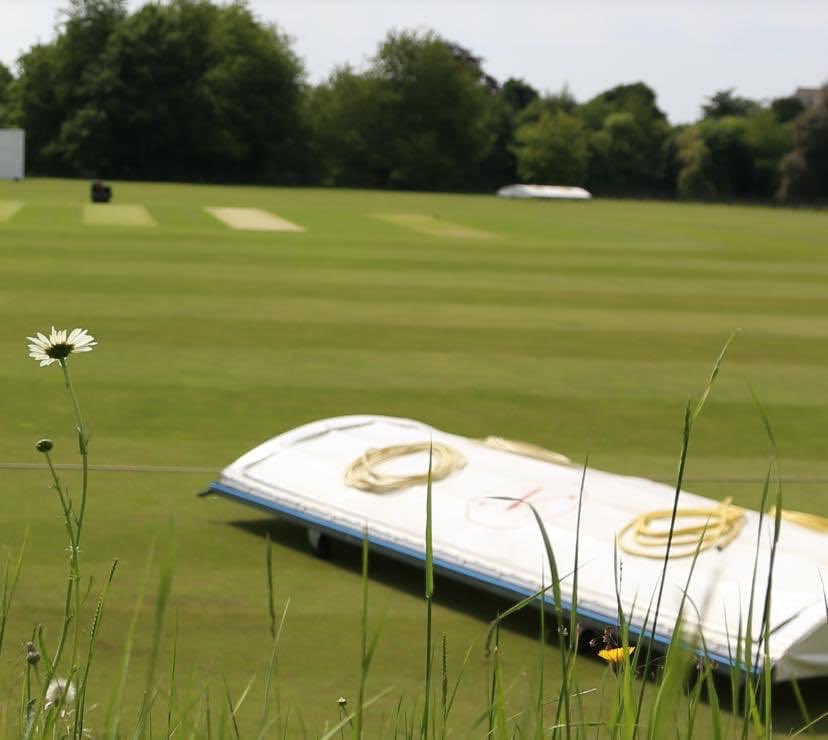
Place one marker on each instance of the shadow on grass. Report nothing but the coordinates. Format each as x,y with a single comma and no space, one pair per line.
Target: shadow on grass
402,576
485,606
786,715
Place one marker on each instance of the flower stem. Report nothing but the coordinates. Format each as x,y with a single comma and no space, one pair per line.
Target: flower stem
79,516
72,589
82,444
74,571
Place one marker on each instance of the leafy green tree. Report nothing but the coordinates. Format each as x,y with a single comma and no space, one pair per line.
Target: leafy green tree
628,139
561,102
500,165
619,154
52,79
787,109
83,33
474,63
418,117
805,169
732,161
726,103
636,98
552,149
768,140
252,86
695,176
36,107
191,90
6,82
517,94
347,118
735,156
435,114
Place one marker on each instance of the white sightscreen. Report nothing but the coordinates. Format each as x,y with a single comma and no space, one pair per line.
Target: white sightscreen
12,153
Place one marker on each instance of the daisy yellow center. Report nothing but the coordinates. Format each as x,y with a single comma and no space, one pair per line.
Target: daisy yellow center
60,351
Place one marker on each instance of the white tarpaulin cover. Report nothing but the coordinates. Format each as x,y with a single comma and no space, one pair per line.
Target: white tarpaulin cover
544,192
496,543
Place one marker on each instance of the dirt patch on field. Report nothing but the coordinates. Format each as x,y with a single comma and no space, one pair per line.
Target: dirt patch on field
106,214
8,208
433,226
252,219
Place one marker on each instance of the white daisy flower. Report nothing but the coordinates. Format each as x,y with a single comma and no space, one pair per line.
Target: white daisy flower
60,688
58,345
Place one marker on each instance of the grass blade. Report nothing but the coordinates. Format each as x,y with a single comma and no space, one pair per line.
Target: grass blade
429,594
9,585
93,634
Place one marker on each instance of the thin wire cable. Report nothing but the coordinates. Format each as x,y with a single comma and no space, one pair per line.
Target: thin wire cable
104,468
114,468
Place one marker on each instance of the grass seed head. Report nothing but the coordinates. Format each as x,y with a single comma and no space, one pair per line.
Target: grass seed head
60,689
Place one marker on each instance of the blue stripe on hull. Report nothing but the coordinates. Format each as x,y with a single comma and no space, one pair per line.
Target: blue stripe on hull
596,619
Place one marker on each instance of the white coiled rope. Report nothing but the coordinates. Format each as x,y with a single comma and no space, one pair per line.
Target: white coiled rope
527,449
695,530
362,473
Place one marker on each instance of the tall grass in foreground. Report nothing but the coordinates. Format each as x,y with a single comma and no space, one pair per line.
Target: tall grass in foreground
643,695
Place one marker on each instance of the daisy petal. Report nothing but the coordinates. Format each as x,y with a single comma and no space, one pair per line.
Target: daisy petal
59,345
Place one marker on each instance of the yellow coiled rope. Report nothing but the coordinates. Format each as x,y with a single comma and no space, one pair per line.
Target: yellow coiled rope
811,521
527,449
362,472
716,526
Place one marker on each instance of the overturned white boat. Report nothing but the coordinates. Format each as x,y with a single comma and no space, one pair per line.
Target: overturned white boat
364,476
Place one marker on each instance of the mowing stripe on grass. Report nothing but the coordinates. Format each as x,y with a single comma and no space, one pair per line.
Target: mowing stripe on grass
115,302
8,208
478,286
252,219
105,214
433,226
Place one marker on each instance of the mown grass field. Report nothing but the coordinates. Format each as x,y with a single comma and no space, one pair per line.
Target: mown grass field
583,327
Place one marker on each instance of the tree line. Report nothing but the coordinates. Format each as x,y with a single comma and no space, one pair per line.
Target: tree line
195,91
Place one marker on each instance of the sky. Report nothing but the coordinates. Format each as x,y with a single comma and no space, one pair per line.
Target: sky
684,49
